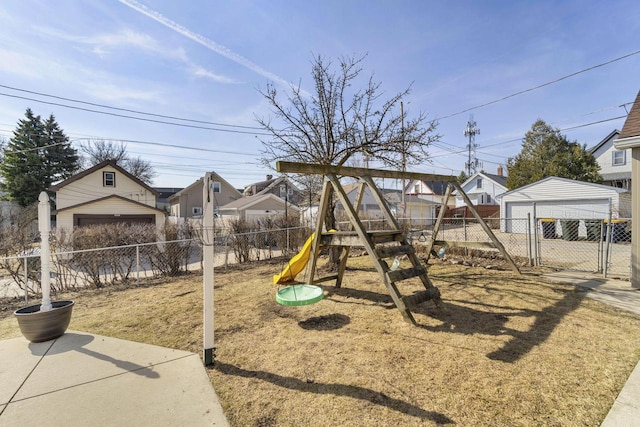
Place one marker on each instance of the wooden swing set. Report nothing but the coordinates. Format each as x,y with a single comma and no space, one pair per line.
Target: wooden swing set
381,245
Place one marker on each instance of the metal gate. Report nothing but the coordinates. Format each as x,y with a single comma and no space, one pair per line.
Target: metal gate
590,245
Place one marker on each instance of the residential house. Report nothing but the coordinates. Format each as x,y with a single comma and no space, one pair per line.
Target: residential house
104,194
187,203
615,164
281,187
418,210
482,188
162,201
428,190
629,138
254,208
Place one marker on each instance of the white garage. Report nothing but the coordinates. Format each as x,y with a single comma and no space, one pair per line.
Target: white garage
561,198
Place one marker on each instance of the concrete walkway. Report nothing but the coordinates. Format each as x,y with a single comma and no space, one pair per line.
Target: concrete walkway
83,379
618,293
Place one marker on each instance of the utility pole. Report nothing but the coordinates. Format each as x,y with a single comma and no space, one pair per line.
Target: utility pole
404,161
471,131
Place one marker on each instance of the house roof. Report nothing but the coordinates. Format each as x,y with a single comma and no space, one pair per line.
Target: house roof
101,165
263,187
438,187
248,201
498,179
613,135
113,196
631,126
198,182
166,192
595,186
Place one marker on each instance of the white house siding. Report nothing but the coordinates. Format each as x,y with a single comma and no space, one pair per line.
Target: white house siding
604,157
91,187
110,206
560,198
489,187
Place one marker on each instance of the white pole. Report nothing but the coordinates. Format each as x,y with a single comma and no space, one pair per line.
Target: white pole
207,276
44,226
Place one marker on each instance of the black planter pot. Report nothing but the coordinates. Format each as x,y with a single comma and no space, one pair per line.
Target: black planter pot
38,326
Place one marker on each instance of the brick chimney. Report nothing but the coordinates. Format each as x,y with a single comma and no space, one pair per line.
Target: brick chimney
500,171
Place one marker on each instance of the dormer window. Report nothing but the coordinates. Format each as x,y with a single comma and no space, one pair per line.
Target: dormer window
108,179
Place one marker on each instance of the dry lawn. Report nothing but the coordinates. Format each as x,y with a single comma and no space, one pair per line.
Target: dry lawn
505,350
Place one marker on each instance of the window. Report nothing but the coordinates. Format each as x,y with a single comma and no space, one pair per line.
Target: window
216,187
479,183
619,158
108,179
196,210
283,190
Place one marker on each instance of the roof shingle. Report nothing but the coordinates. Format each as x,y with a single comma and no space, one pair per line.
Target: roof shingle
631,126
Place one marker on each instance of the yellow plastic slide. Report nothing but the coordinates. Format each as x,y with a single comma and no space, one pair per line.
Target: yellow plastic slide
295,264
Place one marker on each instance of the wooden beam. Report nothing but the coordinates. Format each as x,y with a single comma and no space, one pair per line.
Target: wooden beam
486,228
461,244
304,168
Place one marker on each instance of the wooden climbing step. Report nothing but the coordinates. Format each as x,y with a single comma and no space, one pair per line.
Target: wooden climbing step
352,238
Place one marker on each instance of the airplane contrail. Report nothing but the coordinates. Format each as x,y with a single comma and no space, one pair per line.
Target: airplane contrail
209,44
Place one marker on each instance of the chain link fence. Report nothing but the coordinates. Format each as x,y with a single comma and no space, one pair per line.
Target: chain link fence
73,268
592,245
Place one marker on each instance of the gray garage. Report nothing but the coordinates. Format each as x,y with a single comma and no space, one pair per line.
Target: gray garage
561,198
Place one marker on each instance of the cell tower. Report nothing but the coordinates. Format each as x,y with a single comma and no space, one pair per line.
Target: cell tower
471,131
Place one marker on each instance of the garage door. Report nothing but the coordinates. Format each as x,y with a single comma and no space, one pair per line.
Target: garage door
87,220
516,212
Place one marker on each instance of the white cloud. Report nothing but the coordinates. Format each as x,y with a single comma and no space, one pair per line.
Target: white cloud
199,71
20,64
113,92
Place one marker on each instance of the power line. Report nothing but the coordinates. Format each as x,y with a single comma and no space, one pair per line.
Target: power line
540,86
106,113
128,110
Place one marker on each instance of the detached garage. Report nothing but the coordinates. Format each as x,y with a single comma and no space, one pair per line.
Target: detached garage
561,198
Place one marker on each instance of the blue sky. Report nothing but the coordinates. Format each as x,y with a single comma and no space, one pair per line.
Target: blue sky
206,61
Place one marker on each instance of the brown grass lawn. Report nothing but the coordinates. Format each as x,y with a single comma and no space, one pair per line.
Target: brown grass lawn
505,350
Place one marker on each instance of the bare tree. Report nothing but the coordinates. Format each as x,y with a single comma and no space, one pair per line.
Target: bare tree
339,121
97,151
141,169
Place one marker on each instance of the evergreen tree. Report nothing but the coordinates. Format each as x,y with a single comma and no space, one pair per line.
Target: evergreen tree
37,155
61,159
546,152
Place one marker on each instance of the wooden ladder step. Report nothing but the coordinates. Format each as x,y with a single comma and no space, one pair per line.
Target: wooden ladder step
420,297
351,238
384,236
391,251
406,273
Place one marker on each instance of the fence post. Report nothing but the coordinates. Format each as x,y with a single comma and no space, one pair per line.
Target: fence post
464,226
605,264
536,242
529,249
44,227
26,281
137,264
